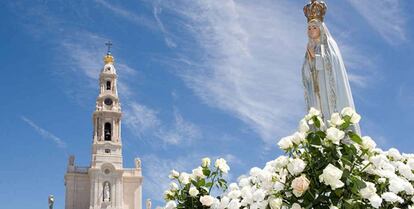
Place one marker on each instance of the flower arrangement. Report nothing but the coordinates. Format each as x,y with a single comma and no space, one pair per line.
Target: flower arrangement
193,190
325,166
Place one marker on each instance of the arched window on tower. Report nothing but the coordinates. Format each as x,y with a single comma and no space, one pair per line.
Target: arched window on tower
108,131
108,85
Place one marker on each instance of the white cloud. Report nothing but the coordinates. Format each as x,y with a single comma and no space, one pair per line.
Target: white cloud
167,36
44,133
135,18
182,131
250,61
140,119
385,16
143,122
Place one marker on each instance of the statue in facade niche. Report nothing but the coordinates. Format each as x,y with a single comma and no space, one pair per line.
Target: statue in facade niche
106,192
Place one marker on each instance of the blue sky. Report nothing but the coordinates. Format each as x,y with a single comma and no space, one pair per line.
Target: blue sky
197,78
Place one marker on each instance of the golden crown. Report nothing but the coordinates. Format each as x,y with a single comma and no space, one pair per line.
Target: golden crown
315,10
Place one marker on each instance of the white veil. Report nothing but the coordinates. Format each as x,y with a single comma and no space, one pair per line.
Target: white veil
333,83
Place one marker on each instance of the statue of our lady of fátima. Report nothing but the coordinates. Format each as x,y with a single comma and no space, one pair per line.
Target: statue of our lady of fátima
324,75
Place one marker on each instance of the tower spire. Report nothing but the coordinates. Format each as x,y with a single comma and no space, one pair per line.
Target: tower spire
108,58
109,45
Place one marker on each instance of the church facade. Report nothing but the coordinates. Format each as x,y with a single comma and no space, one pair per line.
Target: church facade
105,184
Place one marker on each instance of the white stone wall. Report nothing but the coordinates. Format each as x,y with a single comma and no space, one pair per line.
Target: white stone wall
77,191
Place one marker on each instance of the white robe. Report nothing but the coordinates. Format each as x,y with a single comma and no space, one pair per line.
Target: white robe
325,79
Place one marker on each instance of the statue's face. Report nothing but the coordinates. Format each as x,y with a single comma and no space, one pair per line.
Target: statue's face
313,31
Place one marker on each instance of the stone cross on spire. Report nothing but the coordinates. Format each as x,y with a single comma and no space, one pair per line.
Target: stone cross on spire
108,44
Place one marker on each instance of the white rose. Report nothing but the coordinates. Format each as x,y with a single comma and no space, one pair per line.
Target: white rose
368,143
312,112
173,174
296,166
198,172
375,201
298,138
168,194
336,120
334,135
296,206
184,178
222,165
391,197
173,186
234,194
234,204
259,195
300,185
224,202
193,191
394,153
275,203
205,162
207,200
303,126
348,111
368,191
331,176
285,143
333,207
171,205
282,161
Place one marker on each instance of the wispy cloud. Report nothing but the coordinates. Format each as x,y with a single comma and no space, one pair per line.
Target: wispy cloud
385,16
182,131
44,133
167,36
135,18
247,60
143,121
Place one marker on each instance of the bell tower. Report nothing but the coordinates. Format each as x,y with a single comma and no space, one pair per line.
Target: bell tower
107,144
105,184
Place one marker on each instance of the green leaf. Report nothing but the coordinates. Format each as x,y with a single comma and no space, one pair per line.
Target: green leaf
206,172
354,137
314,139
316,121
